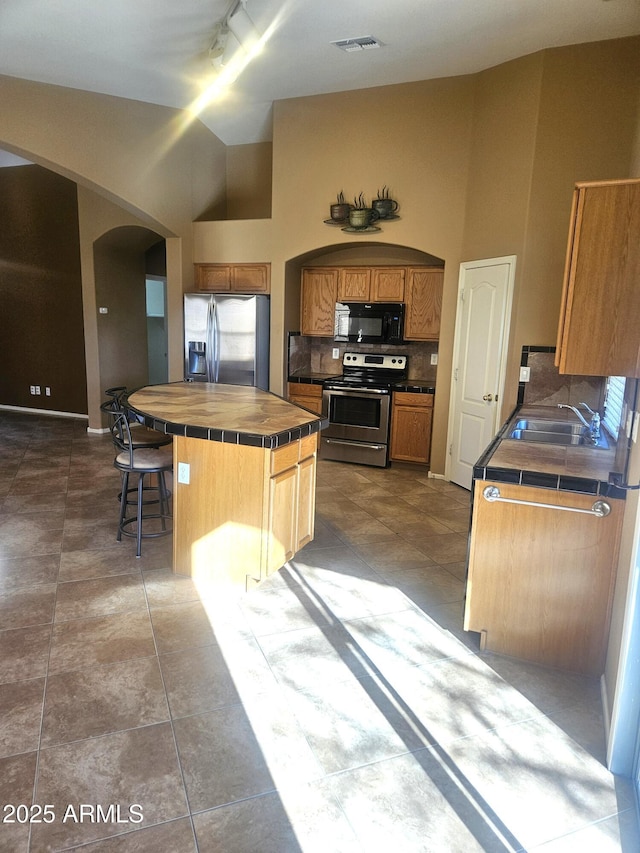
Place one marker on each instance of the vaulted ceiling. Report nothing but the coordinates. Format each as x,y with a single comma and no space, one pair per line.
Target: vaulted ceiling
158,50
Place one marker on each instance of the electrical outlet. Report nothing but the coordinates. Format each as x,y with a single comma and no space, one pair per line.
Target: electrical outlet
37,389
184,473
336,352
47,391
525,374
32,389
434,358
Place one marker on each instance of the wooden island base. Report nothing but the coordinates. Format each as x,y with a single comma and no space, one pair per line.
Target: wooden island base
244,478
245,510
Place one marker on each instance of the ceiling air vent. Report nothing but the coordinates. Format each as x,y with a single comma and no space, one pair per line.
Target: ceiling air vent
360,43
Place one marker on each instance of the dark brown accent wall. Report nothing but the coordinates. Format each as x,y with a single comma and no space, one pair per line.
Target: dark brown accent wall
41,332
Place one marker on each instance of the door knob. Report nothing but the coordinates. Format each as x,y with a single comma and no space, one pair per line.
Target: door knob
488,397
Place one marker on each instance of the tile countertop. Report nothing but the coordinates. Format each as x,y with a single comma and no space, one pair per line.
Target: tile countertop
236,414
552,466
312,378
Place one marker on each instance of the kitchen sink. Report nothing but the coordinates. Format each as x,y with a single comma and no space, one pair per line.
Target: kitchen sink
549,426
546,437
554,432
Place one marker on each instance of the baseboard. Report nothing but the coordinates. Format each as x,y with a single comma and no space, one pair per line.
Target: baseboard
436,476
94,431
50,412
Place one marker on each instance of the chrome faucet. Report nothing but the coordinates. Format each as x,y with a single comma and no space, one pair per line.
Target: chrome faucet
593,425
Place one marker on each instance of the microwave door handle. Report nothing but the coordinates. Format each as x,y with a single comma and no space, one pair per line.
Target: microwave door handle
386,322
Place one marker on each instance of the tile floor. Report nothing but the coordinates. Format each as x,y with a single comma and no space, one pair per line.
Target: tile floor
338,707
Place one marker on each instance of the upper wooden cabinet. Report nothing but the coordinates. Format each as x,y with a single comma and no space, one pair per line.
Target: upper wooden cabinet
354,284
234,278
420,288
600,311
387,284
423,303
371,284
318,301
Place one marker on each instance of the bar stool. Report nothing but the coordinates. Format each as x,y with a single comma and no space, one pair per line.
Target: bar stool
141,435
142,460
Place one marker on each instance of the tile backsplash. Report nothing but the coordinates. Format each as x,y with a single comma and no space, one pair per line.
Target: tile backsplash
548,387
315,355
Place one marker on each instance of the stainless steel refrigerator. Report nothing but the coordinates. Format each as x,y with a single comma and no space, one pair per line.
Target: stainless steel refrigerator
226,339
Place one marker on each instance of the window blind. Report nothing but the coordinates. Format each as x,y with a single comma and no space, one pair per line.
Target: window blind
614,404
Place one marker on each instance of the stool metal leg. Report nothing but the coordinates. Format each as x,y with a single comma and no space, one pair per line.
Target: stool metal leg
123,503
139,531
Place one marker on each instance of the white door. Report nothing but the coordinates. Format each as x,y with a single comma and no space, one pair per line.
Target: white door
479,361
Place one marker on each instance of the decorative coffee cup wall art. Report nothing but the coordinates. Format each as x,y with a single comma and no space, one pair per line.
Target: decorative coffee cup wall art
360,216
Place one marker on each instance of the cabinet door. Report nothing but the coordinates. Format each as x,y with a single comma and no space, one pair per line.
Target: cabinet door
318,301
213,278
306,500
540,579
251,278
306,394
354,284
423,300
283,518
410,430
238,278
598,333
387,284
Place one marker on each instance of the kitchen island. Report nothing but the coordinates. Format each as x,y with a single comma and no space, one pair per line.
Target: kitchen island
543,548
244,478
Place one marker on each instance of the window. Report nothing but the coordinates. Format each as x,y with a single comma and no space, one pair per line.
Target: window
614,404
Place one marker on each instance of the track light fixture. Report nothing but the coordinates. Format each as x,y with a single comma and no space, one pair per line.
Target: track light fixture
235,32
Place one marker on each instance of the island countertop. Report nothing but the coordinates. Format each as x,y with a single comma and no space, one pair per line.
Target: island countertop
235,414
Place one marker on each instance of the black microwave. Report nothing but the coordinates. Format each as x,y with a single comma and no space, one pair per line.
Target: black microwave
369,322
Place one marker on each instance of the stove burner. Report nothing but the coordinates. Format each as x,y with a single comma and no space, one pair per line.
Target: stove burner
365,370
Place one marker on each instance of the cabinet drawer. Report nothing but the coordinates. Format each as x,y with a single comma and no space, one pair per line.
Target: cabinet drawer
411,398
284,457
308,445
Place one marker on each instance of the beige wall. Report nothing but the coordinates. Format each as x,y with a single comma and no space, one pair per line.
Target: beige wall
134,163
483,166
249,180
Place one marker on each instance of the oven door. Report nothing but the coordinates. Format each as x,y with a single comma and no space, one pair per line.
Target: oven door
358,429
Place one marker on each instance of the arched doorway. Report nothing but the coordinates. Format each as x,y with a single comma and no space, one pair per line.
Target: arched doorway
131,326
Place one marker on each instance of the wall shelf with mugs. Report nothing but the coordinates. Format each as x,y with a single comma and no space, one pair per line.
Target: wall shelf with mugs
360,217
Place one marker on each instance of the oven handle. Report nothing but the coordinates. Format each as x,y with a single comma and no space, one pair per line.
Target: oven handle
362,392
358,443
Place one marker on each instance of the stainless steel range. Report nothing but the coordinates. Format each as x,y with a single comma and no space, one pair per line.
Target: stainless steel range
358,406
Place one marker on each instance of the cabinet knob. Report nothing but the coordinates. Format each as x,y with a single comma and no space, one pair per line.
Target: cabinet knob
488,397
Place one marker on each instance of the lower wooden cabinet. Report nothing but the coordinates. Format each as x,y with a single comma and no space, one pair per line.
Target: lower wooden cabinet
541,579
291,501
245,510
411,422
306,394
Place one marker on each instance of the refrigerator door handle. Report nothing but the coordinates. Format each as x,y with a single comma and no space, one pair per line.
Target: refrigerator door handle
211,341
216,341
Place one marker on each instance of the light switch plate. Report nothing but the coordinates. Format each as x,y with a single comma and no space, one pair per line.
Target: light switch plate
336,352
434,358
525,374
184,472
